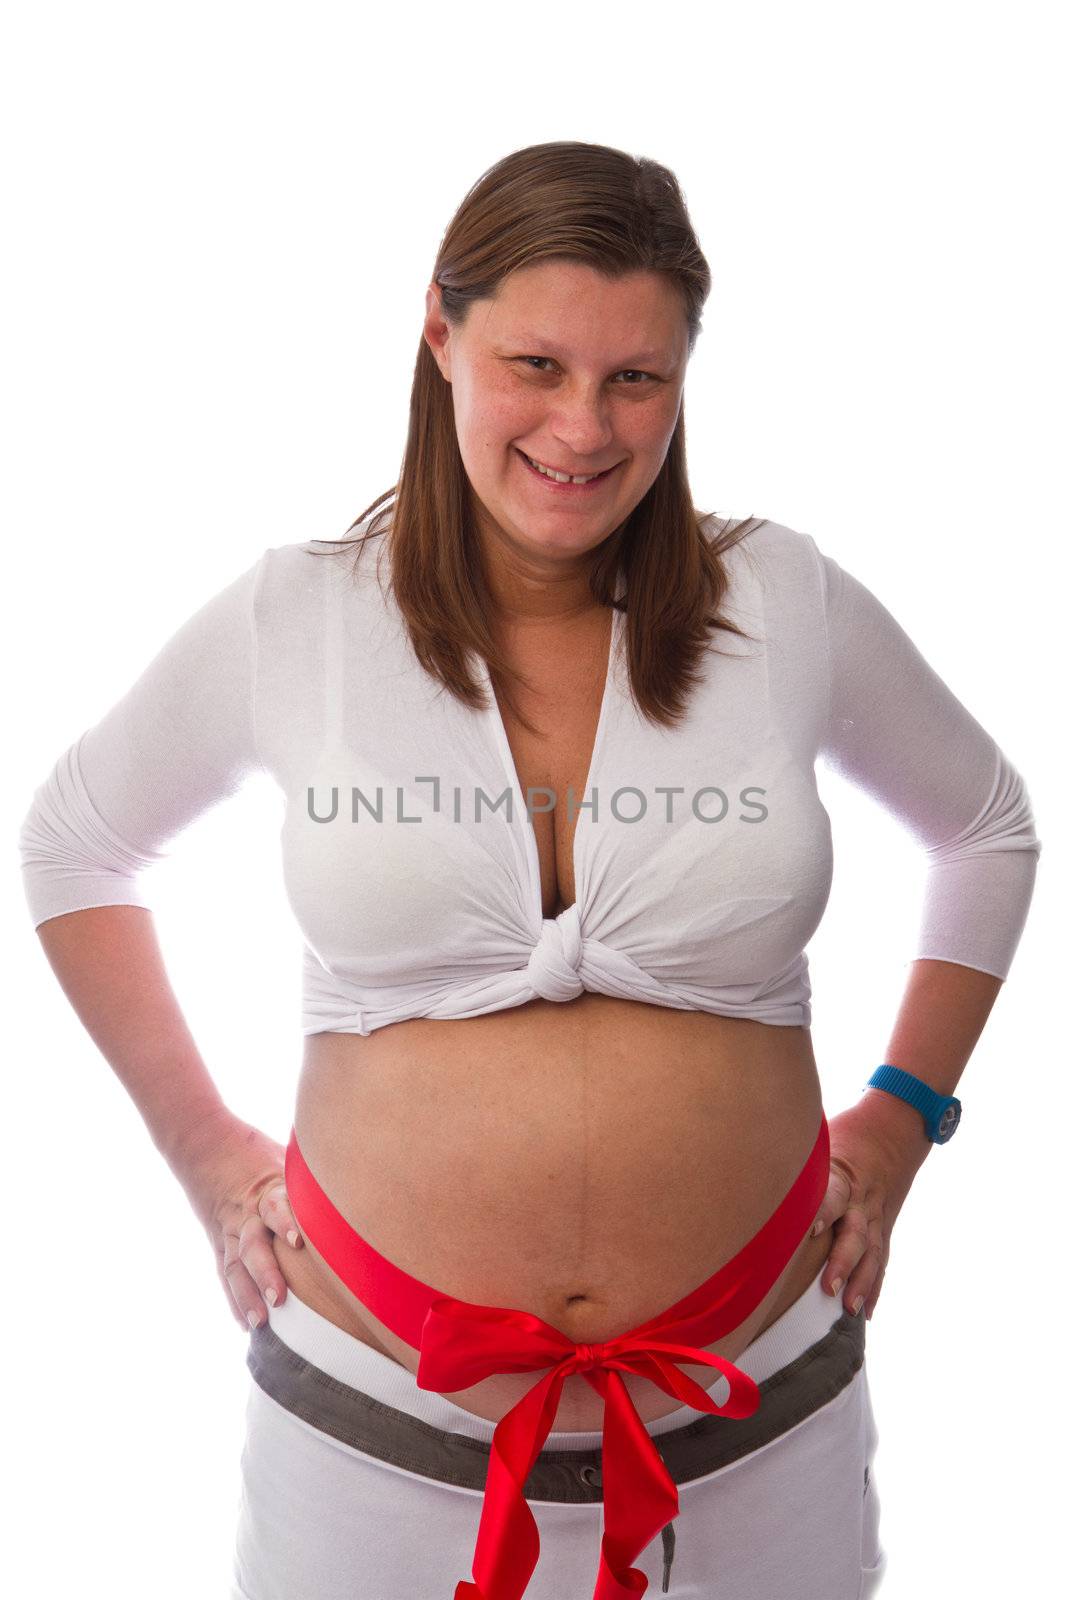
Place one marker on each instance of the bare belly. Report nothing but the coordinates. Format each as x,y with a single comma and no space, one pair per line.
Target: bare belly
591,1163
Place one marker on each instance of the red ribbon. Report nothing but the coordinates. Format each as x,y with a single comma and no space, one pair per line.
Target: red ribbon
460,1344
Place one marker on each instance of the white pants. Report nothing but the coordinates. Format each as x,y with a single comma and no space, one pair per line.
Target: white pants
796,1519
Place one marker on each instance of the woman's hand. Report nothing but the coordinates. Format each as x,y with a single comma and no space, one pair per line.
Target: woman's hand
873,1162
236,1185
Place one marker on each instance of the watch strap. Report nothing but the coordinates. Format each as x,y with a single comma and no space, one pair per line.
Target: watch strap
940,1112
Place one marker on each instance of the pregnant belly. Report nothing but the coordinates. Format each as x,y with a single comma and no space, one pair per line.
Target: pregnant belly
590,1163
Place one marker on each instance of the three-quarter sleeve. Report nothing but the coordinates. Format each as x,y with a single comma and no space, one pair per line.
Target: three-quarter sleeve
897,731
181,739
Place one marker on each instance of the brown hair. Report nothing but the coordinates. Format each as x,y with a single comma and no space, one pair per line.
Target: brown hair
620,214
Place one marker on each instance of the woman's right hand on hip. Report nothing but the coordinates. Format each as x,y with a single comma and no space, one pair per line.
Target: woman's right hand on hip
236,1186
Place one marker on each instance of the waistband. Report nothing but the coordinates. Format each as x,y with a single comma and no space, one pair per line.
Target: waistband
363,1398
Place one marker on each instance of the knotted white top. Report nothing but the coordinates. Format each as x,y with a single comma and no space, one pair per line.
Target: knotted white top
554,970
702,857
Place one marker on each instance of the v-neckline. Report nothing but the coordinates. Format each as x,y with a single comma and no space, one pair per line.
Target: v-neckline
533,859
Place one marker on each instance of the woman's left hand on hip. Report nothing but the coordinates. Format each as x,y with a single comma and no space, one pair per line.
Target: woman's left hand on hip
870,1176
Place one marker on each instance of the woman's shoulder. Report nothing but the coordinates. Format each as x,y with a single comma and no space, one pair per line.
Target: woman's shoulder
308,569
770,551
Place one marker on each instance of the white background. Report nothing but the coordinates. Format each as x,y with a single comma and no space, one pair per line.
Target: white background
220,225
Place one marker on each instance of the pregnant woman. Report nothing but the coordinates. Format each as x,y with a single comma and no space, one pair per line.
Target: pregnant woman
560,1287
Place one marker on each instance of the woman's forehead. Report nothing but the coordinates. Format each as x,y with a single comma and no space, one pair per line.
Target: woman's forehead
565,318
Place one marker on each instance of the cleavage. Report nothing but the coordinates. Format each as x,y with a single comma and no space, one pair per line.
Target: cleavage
568,675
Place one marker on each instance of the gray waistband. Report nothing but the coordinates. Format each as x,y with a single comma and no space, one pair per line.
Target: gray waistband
571,1476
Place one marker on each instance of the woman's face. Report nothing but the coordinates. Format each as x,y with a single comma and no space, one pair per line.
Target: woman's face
580,373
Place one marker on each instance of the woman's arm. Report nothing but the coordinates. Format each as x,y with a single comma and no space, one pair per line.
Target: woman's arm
878,1144
941,1017
108,962
180,740
894,728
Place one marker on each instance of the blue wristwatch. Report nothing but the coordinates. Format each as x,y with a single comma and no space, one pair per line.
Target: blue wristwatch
940,1112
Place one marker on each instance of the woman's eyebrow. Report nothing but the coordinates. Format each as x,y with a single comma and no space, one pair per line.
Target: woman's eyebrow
536,341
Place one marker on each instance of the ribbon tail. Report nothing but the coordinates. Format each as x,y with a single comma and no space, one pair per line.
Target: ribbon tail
508,1542
640,1496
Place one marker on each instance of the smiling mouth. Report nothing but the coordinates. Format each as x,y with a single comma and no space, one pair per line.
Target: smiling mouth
537,465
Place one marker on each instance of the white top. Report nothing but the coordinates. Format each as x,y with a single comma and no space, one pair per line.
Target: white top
419,894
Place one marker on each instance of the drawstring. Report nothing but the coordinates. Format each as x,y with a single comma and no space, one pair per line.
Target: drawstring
667,1533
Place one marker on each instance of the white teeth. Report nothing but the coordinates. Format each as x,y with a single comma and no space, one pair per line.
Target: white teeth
560,477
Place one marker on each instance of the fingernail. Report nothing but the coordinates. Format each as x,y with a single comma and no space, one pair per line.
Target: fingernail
293,1237
835,1287
815,1232
271,1295
253,1319
857,1306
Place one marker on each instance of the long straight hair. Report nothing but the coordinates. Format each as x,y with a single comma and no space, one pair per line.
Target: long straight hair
562,201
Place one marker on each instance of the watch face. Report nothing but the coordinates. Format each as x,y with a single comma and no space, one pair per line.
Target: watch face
949,1122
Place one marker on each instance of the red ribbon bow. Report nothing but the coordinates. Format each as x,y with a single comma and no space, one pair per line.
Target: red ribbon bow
461,1344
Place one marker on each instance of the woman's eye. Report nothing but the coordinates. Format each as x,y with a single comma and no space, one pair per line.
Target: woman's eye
627,371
